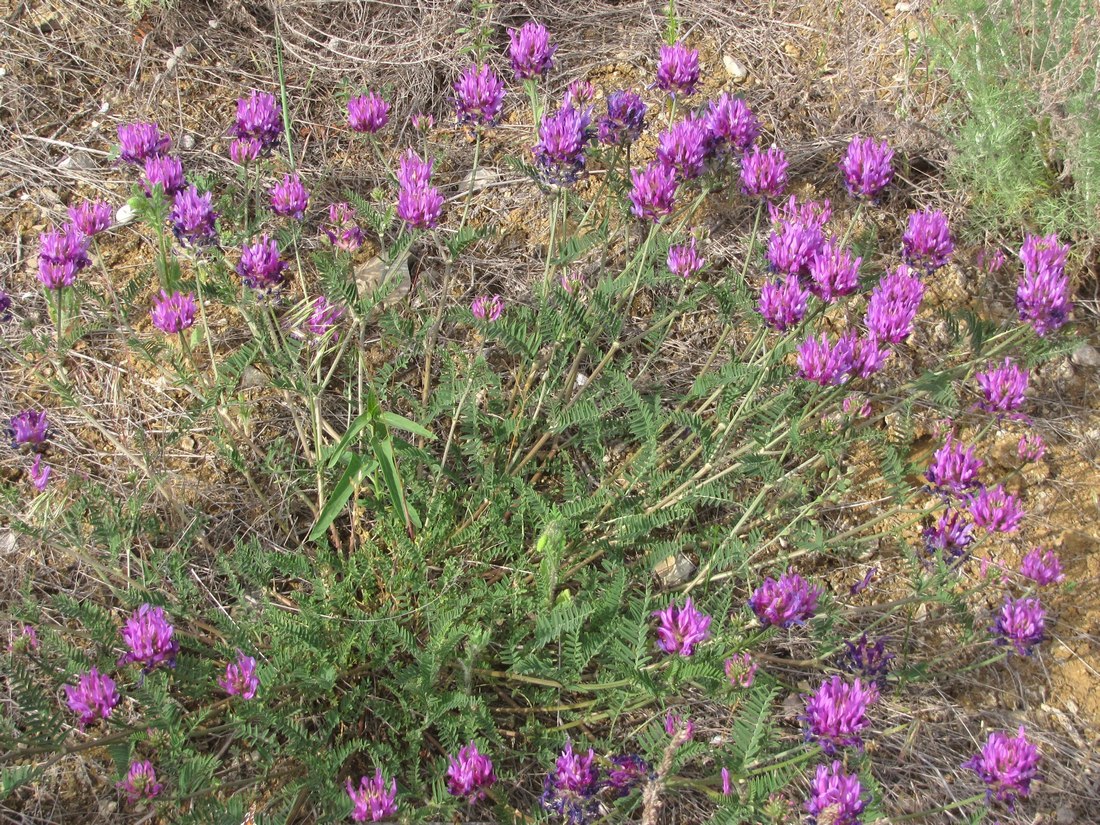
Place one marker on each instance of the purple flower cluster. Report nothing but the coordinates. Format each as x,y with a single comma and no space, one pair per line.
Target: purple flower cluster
741,670
681,628
808,213
764,172
653,193
837,713
372,799
570,788
786,601
174,313
91,218
1007,765
39,474
836,797
893,305
1042,567
624,121
93,696
341,229
165,172
325,316
140,141
261,267
479,95
1031,447
61,256
996,510
530,50
678,69
559,154
487,308
948,538
1002,387
290,198
627,771
193,217
684,147
731,124
259,119
469,774
834,272
240,677
140,782
684,259
871,662
148,635
783,303
29,429
5,306
867,167
1042,297
419,204
791,247
927,240
1021,622
580,93
825,363
954,467
368,113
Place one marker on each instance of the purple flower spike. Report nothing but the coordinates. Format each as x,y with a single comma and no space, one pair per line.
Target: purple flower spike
420,208
954,468
624,121
1006,765
368,113
373,800
835,797
893,305
341,229
927,240
5,306
1031,447
764,172
684,147
1042,567
559,154
990,260
580,93
40,474
949,538
741,670
806,213
867,167
140,782
871,662
470,774
148,635
792,246
571,786
627,771
244,151
413,171
731,124
93,697
530,50
1003,387
867,356
654,191
165,172
259,117
193,217
423,122
783,303
260,266
678,70
996,510
681,628
786,601
834,272
290,198
61,256
91,218
1021,622
174,313
487,308
825,363
1042,297
479,94
324,317
141,141
240,677
679,730
837,713
29,428
684,259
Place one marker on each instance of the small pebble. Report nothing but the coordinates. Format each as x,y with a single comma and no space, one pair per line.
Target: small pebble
1086,355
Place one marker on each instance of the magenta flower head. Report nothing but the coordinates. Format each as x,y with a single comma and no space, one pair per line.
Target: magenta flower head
1042,297
1031,447
580,93
627,771
681,628
140,782
1021,622
806,213
423,122
244,151
678,729
93,696
1006,765
792,246
684,259
834,272
783,303
530,49
624,121
837,713
893,305
867,167
487,308
29,429
193,217
559,154
260,266
653,193
731,124
413,171
39,474
836,797
420,208
741,670
91,218
927,240
148,635
990,260
949,538
786,601
1003,387
764,172
165,172
174,313
1042,567
290,198
871,662
469,774
373,800
240,677
368,113
61,256
826,363
678,69
571,786
479,94
325,316
259,117
141,141
996,510
954,467
342,229
684,147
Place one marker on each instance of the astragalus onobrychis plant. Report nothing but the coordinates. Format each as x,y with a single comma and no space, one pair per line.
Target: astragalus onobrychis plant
551,558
